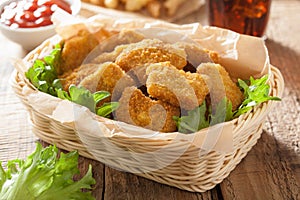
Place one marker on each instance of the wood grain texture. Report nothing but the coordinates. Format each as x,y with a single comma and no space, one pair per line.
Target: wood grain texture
123,185
14,142
271,170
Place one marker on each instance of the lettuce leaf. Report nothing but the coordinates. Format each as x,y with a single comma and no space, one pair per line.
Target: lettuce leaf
42,74
194,121
44,175
256,92
204,116
84,97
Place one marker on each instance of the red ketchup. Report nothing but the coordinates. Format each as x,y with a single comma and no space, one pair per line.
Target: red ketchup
31,13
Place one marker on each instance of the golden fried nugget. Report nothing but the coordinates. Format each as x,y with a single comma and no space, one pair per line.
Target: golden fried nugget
110,49
102,34
108,77
213,55
183,89
196,54
95,77
220,84
76,76
151,51
125,36
76,49
137,109
109,56
128,36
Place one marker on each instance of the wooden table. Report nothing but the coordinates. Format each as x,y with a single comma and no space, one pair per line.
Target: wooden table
271,170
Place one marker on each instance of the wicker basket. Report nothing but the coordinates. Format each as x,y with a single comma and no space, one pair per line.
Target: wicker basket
194,170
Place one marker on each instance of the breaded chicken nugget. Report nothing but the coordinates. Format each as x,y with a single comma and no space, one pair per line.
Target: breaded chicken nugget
220,84
110,49
110,56
151,51
76,49
76,76
197,55
183,89
108,77
137,109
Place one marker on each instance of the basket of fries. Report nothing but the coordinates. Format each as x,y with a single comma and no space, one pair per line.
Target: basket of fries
149,97
162,9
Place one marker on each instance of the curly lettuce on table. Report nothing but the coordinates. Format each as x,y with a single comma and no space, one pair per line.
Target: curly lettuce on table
45,175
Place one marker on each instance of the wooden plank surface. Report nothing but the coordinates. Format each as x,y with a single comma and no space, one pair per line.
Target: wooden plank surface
271,170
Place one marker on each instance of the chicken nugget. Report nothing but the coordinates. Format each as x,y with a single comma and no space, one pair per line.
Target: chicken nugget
110,49
76,49
151,51
76,76
220,84
184,89
110,56
197,55
137,109
108,77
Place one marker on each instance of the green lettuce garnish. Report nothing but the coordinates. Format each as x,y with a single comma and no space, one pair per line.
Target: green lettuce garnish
194,121
255,92
45,176
42,74
84,97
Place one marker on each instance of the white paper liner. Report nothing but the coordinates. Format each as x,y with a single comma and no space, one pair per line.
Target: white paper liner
236,51
241,55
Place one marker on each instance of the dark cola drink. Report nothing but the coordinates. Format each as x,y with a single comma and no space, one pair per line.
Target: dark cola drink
243,16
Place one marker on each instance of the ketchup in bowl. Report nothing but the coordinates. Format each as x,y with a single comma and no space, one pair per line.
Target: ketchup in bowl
31,13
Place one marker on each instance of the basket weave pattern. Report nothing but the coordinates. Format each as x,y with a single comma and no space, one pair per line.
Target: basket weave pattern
191,171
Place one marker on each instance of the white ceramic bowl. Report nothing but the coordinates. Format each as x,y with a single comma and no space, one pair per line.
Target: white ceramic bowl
29,38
